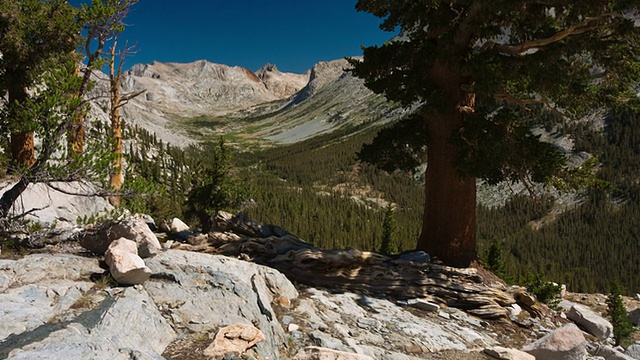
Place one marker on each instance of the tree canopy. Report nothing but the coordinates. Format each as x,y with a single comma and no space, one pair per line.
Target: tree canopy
483,73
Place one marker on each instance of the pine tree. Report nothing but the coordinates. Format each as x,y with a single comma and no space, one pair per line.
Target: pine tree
495,261
389,229
622,327
478,68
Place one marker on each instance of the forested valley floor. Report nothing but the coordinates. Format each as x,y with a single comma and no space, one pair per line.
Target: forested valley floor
318,190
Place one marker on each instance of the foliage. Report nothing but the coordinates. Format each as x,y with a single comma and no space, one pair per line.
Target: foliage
622,327
215,189
37,40
193,183
510,78
398,146
477,69
389,243
494,260
545,291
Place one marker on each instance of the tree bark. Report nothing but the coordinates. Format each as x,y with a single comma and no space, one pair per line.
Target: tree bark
449,219
10,196
75,137
116,128
22,150
21,143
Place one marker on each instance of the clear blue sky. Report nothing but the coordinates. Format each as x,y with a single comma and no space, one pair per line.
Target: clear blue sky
293,34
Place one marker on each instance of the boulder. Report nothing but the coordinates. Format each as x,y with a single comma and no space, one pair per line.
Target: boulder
593,323
126,267
633,351
502,353
134,228
235,339
610,353
38,288
204,292
100,333
178,226
634,316
565,343
318,353
59,204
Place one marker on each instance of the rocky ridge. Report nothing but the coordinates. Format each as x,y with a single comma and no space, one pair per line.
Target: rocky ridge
259,292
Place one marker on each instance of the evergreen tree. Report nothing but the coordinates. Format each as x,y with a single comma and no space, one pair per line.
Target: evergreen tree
622,327
494,260
215,188
35,35
476,68
389,232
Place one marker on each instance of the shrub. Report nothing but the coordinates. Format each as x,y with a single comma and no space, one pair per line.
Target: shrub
545,291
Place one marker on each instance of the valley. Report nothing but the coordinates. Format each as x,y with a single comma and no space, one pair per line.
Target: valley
297,157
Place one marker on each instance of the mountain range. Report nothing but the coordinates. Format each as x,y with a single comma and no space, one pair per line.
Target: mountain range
201,100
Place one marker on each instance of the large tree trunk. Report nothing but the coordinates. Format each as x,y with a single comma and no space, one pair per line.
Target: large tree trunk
449,222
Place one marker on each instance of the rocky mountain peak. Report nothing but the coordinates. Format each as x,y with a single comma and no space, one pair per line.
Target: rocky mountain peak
282,85
322,73
268,68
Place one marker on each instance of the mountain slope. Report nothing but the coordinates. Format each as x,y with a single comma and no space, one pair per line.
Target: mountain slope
190,102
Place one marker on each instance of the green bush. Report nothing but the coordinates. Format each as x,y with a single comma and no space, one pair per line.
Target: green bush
544,290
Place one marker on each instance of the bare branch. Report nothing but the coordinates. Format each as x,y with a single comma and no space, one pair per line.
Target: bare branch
30,211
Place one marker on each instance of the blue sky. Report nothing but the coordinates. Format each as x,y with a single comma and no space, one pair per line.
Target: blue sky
293,34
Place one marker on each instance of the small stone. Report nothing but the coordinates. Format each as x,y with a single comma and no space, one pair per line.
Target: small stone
178,226
293,328
444,315
426,305
502,353
236,338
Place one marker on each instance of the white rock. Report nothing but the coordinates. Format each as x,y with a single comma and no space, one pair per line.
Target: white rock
610,353
58,208
633,351
134,228
128,327
178,225
514,310
593,323
126,267
565,343
502,353
425,305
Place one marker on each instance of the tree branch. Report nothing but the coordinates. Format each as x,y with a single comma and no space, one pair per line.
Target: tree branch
576,29
523,103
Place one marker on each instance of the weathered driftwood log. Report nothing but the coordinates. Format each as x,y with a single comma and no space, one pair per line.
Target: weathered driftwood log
352,270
